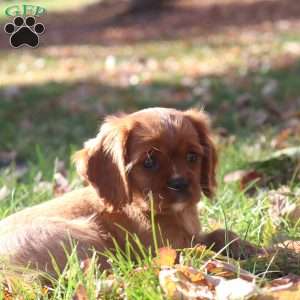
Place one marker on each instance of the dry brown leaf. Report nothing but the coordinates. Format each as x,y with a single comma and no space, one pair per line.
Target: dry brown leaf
294,214
291,245
227,270
279,141
219,269
244,177
291,293
184,282
277,288
249,177
234,176
193,275
166,257
80,293
7,289
45,290
177,285
283,282
7,295
280,205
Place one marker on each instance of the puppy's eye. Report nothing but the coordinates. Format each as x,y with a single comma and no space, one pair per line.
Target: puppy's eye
191,157
150,162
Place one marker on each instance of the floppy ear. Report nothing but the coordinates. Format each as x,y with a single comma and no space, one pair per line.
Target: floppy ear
209,161
102,162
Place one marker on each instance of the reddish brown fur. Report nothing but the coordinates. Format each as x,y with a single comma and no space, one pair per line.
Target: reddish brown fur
120,190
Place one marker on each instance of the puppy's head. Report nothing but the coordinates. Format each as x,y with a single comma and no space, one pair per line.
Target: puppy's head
157,151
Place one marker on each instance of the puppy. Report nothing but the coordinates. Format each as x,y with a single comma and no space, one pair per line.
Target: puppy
157,157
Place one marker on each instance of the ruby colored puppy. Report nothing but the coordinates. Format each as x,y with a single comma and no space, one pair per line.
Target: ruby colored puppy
156,154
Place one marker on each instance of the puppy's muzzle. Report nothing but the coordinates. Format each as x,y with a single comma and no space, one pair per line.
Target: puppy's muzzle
178,184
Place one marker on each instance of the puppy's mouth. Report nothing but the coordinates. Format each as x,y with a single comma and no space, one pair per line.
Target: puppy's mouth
179,196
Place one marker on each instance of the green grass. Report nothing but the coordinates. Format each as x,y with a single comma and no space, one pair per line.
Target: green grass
54,98
232,208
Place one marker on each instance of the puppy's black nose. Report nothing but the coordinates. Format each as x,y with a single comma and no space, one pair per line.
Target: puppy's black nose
178,184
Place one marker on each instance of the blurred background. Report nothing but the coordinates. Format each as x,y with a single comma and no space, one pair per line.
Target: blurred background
239,59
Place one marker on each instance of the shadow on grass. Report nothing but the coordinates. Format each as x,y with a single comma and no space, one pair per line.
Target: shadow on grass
105,23
57,115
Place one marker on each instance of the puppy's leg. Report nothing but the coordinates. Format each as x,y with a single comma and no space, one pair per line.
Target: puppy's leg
231,243
33,244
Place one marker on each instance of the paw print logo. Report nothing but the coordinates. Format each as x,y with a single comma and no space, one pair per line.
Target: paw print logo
24,33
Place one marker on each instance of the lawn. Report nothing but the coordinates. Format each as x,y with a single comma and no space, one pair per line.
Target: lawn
54,98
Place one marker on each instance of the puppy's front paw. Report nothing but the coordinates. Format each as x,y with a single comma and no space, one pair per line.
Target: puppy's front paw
231,244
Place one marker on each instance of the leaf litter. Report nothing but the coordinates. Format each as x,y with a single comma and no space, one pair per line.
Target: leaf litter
278,168
218,280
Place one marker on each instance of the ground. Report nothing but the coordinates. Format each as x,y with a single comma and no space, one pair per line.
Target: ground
240,60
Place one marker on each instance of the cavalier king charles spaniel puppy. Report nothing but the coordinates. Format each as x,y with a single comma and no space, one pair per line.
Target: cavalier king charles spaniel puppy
157,157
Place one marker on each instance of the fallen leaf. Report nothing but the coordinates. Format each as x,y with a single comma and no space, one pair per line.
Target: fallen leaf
283,282
294,214
277,260
235,176
216,268
167,280
80,293
45,290
279,167
250,177
236,289
244,177
280,204
223,269
193,275
166,257
182,282
7,295
176,285
289,244
292,292
291,152
279,141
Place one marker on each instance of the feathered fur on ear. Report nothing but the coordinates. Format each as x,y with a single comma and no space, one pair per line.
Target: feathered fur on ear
208,164
102,162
